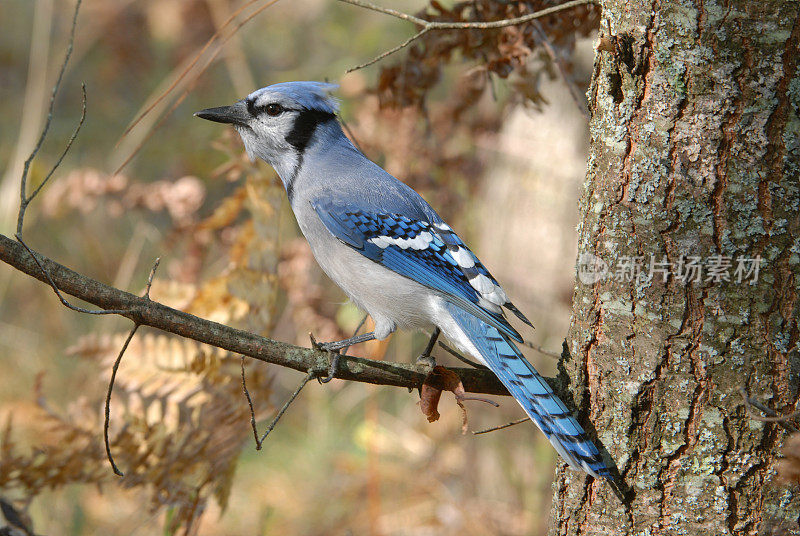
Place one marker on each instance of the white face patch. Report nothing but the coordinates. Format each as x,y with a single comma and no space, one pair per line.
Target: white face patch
265,137
249,143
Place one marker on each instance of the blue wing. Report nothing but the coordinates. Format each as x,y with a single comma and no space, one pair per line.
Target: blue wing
430,253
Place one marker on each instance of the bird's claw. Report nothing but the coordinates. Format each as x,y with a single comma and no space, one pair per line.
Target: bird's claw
334,368
323,347
426,361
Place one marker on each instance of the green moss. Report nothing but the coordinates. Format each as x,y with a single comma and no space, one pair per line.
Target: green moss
776,36
794,92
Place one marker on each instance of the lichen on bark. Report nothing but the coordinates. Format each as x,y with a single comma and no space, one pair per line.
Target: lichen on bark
695,152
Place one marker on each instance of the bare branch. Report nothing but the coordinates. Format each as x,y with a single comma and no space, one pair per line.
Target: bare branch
309,376
249,403
506,425
23,197
391,51
427,26
107,416
150,278
154,314
61,297
117,361
541,350
771,415
431,25
24,204
260,442
387,11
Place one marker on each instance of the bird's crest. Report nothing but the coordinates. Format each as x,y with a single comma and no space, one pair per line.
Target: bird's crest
309,95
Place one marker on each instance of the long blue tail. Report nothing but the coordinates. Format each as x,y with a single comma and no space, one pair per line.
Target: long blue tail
533,393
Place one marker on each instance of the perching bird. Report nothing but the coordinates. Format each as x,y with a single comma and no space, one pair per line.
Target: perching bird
390,252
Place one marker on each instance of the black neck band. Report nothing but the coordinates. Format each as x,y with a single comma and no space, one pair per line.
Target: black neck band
304,127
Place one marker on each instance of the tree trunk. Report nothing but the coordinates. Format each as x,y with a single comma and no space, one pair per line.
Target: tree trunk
694,162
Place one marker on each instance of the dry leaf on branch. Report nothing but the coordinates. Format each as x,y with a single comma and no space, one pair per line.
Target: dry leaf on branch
443,379
789,467
500,52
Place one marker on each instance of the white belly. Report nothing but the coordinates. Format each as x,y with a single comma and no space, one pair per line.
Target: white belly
393,301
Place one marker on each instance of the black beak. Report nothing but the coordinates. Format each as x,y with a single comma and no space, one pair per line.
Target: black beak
235,114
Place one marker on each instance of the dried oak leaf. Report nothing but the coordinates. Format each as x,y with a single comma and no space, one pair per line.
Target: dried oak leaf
442,379
789,466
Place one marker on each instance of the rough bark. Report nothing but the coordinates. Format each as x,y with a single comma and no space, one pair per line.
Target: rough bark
695,151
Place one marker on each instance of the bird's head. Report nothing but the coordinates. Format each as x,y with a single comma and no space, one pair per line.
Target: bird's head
277,123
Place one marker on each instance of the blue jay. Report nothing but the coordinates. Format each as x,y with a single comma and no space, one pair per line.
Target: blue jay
390,252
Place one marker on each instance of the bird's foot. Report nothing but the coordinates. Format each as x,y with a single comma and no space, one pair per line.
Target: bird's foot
324,346
426,361
338,345
335,355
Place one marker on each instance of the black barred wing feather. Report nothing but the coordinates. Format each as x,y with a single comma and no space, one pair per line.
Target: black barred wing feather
430,253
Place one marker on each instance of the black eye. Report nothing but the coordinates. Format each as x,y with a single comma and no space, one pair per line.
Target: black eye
273,109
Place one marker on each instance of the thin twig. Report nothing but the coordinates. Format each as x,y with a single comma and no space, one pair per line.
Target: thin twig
772,415
541,350
389,52
438,25
107,419
506,425
114,369
461,357
63,153
58,292
427,26
24,199
387,11
311,374
250,405
150,278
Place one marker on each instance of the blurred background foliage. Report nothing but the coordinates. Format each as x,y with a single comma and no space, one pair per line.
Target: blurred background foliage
489,126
